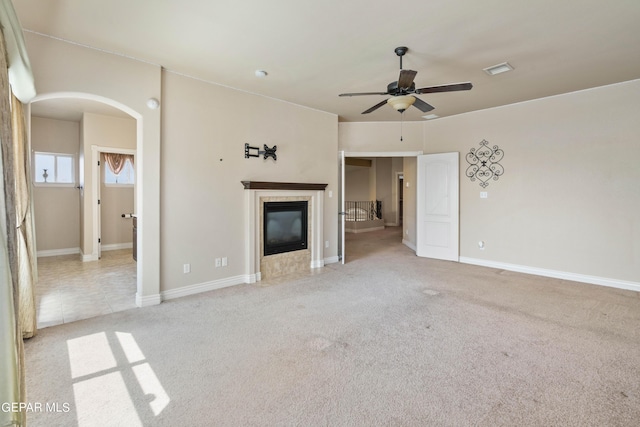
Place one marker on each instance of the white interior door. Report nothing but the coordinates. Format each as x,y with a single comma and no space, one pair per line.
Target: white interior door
437,225
341,207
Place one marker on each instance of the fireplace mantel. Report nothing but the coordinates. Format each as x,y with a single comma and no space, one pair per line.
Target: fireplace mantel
264,185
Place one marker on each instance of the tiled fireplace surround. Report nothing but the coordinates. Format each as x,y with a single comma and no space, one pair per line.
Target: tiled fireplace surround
257,193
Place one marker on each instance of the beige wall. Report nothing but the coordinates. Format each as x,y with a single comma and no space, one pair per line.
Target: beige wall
383,183
387,187
569,199
119,133
202,200
60,223
380,136
397,167
56,209
66,70
356,183
205,127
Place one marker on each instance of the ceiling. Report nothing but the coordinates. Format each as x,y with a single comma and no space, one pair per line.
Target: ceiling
315,50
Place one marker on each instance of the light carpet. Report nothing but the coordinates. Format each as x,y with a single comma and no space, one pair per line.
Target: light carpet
389,339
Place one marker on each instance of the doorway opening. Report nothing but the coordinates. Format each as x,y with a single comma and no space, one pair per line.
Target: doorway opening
379,180
75,281
113,220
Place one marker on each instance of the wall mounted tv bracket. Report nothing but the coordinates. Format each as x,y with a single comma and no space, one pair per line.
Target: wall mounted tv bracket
256,152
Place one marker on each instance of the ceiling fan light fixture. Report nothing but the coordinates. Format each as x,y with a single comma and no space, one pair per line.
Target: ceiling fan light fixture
498,69
401,103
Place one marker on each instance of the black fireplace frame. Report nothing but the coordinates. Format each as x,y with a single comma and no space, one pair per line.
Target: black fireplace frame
288,206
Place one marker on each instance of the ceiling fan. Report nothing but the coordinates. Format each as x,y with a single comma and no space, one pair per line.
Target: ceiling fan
402,91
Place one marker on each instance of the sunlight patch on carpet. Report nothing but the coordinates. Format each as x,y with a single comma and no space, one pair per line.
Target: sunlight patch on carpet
151,387
106,398
105,369
130,347
90,354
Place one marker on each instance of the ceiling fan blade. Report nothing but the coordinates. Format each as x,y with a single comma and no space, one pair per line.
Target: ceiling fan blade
421,105
364,93
406,78
375,107
445,88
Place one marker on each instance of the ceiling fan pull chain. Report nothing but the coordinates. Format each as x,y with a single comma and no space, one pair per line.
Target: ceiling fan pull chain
401,117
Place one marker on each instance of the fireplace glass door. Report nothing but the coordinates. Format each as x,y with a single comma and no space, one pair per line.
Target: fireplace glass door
284,227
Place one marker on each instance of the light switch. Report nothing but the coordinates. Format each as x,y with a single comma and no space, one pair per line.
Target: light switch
484,194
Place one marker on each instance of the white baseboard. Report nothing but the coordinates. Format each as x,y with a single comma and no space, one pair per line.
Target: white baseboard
148,300
593,280
116,246
104,248
89,257
56,252
204,287
409,245
252,278
317,263
331,260
362,230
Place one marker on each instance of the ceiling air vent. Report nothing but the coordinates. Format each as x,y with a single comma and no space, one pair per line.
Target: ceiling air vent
498,69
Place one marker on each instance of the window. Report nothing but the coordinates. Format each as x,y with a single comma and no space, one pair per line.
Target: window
53,168
126,176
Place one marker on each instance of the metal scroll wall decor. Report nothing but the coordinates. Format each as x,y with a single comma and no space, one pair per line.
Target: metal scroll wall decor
484,163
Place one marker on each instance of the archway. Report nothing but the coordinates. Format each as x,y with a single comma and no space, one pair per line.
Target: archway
78,102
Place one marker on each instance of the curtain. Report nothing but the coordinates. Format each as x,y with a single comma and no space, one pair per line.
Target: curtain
13,389
27,258
116,161
15,211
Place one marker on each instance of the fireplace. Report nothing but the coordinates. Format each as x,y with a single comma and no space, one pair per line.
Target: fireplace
284,227
308,201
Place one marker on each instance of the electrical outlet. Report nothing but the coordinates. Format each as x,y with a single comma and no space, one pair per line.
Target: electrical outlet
186,268
224,261
218,262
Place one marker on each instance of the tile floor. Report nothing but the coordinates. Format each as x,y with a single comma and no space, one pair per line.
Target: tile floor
69,289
